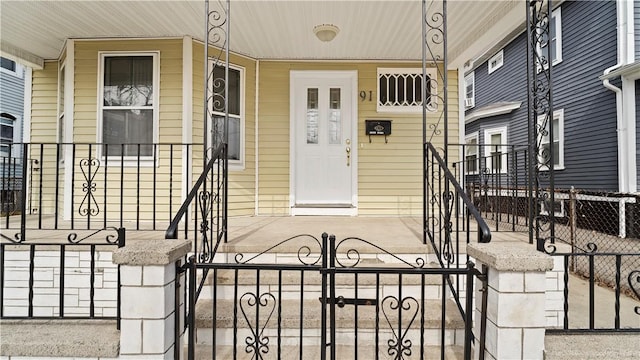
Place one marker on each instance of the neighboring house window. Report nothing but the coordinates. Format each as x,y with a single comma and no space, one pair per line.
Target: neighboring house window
495,153
236,119
471,153
469,90
496,62
558,141
129,100
6,133
10,67
550,46
400,90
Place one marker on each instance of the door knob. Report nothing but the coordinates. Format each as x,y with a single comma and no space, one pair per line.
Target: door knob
348,150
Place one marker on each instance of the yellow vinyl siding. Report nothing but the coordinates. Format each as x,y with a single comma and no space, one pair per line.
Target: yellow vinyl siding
241,182
43,162
389,174
136,204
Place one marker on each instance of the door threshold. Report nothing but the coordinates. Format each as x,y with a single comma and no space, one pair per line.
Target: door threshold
324,209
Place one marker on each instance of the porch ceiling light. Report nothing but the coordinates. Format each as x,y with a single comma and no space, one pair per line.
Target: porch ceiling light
326,32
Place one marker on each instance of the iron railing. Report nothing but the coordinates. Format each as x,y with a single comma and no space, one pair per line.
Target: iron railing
449,212
210,218
495,177
92,186
590,303
74,279
266,309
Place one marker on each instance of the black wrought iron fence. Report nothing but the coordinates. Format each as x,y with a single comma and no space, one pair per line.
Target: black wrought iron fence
87,186
72,279
598,290
327,303
495,177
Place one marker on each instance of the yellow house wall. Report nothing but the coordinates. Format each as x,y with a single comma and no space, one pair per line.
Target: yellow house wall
241,181
41,197
389,175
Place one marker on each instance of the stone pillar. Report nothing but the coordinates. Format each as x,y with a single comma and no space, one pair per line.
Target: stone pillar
516,321
148,297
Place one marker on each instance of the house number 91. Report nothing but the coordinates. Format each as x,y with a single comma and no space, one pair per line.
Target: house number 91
363,95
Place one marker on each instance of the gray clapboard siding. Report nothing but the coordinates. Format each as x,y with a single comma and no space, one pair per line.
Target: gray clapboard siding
636,27
12,102
590,147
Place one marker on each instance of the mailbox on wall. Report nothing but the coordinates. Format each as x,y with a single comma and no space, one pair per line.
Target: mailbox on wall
378,127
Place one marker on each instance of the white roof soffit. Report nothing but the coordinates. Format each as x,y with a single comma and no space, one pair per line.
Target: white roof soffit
261,29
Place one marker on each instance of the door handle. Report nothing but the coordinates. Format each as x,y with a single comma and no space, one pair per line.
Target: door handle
348,150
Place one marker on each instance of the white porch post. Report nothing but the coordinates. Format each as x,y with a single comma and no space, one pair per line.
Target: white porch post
516,321
148,328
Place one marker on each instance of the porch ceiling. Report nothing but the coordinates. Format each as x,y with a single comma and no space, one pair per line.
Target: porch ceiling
33,31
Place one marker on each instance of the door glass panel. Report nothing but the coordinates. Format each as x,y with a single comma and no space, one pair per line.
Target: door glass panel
335,117
312,116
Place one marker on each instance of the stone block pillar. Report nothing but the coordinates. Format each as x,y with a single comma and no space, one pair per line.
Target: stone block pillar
516,318
149,319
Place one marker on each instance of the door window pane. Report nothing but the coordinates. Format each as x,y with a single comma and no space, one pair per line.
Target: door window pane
312,116
335,117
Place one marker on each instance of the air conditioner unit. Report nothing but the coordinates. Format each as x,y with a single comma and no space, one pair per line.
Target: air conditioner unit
468,102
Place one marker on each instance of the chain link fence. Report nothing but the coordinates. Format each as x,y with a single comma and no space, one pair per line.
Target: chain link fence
605,223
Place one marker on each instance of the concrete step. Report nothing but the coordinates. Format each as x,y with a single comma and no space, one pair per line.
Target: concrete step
343,352
293,277
592,346
292,312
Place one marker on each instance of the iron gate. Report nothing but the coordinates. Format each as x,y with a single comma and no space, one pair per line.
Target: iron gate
310,298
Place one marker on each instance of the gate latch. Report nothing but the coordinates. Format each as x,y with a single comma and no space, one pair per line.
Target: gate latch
341,301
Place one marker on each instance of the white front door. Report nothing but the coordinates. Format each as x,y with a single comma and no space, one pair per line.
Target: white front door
322,147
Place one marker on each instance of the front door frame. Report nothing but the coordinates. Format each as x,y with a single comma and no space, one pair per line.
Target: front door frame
306,74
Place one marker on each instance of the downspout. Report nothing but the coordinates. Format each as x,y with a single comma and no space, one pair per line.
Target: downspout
621,10
256,170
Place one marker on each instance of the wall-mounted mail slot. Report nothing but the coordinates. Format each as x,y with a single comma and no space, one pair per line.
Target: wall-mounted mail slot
378,127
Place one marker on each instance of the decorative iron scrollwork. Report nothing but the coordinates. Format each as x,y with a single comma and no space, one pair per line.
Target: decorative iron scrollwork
634,284
354,257
308,254
257,342
89,205
16,238
540,108
110,238
399,346
205,205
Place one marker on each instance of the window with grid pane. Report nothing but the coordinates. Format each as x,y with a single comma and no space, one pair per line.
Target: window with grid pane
401,89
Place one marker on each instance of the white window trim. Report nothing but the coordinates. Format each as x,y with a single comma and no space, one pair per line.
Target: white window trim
14,138
556,16
557,115
502,130
476,136
470,78
145,161
431,73
498,58
19,72
236,165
